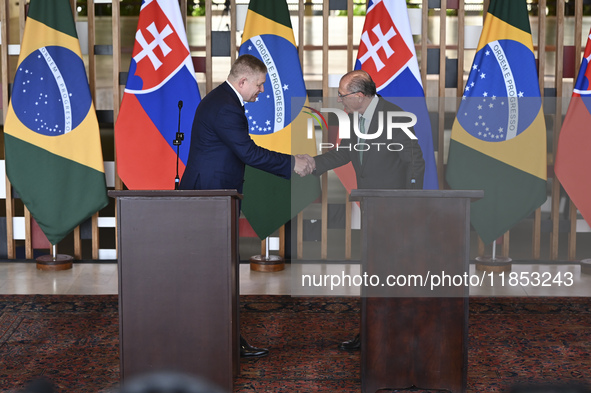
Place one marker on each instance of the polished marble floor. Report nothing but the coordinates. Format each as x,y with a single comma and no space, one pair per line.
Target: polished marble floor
322,279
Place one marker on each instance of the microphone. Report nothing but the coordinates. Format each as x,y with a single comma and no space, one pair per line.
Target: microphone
180,136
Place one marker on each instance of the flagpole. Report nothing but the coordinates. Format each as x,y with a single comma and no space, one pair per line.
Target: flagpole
493,263
267,262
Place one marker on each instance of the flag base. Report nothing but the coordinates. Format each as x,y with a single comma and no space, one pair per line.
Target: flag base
496,265
61,262
260,263
586,266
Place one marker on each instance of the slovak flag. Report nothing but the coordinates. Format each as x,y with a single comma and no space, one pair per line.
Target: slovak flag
161,86
387,53
573,154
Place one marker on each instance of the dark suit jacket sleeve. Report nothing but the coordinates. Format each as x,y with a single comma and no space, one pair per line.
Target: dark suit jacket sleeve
231,126
332,159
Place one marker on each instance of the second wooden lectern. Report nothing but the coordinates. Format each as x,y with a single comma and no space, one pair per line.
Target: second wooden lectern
414,333
178,283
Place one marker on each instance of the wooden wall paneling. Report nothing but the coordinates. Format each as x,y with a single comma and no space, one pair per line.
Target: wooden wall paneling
301,12
350,58
91,44
233,50
505,252
10,249
348,227
441,90
324,214
300,236
424,41
554,240
28,235
537,226
183,8
480,247
117,88
461,32
22,16
208,59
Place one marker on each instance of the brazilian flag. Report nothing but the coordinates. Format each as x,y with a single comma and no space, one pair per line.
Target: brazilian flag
53,151
276,120
498,140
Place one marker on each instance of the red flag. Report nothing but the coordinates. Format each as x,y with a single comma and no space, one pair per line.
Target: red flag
573,156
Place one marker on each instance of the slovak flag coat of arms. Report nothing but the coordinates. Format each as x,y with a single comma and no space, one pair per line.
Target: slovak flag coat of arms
386,52
161,80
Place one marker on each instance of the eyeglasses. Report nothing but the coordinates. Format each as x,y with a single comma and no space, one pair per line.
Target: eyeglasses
345,95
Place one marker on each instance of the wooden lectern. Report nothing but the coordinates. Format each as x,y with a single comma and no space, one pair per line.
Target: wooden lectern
178,283
413,335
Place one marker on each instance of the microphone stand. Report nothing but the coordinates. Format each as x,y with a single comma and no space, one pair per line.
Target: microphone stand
180,136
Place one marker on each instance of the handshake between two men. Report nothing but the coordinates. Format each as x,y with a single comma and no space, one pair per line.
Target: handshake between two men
304,164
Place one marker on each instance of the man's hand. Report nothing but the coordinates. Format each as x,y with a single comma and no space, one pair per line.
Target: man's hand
304,164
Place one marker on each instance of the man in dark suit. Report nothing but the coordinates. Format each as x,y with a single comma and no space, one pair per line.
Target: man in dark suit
221,145
380,162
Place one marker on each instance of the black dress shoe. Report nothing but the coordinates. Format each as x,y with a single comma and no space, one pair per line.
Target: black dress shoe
248,351
352,345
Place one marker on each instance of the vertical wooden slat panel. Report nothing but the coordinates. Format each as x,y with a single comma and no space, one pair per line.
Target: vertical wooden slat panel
348,227
324,214
282,241
301,9
480,247
557,124
78,244
208,60
461,29
183,8
91,55
441,106
578,34
10,251
349,35
300,236
233,36
537,228
506,245
28,235
424,41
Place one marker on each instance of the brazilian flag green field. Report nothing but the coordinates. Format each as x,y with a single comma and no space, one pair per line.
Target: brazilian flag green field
498,140
51,134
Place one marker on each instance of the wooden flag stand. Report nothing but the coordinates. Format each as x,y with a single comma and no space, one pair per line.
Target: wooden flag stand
267,263
586,266
55,261
494,264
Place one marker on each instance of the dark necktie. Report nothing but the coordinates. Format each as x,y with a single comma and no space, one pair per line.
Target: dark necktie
361,140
